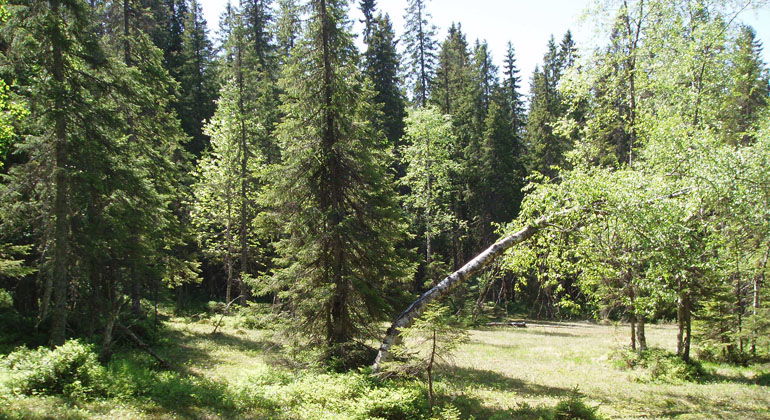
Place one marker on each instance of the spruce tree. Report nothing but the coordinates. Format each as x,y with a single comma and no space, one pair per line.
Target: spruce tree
501,169
155,141
381,65
196,78
512,92
331,192
258,18
547,147
287,27
453,81
750,88
420,46
100,139
368,8
57,46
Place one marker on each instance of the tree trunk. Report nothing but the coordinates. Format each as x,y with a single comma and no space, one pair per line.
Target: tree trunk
407,317
432,360
245,262
60,272
633,333
641,336
112,318
757,286
684,321
142,345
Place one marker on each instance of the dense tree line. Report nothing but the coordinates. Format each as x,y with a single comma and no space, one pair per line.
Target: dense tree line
284,165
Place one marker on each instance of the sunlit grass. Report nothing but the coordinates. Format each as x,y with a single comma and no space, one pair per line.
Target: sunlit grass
499,373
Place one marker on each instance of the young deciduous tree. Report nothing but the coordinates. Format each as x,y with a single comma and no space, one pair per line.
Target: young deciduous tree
229,178
428,156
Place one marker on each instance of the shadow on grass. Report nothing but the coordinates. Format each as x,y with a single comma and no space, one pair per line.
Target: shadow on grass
529,331
184,350
711,377
705,407
463,377
473,408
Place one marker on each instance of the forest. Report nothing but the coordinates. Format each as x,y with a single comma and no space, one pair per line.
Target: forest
288,219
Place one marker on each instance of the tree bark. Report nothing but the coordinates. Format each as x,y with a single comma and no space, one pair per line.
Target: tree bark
407,317
641,336
245,262
759,279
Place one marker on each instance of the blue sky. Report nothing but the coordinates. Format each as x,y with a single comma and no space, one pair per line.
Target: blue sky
526,23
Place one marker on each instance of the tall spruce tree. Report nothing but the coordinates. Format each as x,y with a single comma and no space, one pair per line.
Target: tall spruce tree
196,78
56,44
287,27
512,92
381,65
453,81
420,46
331,192
546,146
750,88
258,18
154,154
368,9
101,138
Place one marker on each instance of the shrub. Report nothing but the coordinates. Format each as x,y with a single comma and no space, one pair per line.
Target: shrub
405,402
71,369
352,395
574,408
255,316
658,365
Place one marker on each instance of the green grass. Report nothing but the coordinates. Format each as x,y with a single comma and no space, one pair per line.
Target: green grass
500,373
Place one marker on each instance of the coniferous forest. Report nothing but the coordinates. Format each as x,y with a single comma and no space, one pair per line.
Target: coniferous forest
292,218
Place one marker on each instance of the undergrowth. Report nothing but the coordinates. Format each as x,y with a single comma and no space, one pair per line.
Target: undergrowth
658,365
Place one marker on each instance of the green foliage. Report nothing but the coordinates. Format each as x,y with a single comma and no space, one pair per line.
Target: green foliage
547,146
574,408
420,45
70,369
658,365
327,396
382,66
429,156
331,198
196,77
429,341
6,300
229,176
10,265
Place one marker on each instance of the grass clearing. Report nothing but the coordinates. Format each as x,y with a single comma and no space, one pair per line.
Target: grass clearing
500,373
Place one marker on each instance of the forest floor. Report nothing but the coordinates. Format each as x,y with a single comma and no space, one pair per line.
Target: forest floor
499,373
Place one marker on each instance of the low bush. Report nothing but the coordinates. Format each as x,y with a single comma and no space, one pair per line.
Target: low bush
71,369
254,316
352,395
574,408
658,365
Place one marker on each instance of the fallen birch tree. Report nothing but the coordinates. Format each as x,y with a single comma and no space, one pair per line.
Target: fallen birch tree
407,317
481,261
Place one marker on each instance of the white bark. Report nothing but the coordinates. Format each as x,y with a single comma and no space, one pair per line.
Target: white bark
406,318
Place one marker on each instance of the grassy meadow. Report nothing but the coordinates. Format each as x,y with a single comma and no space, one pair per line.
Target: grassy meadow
499,373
